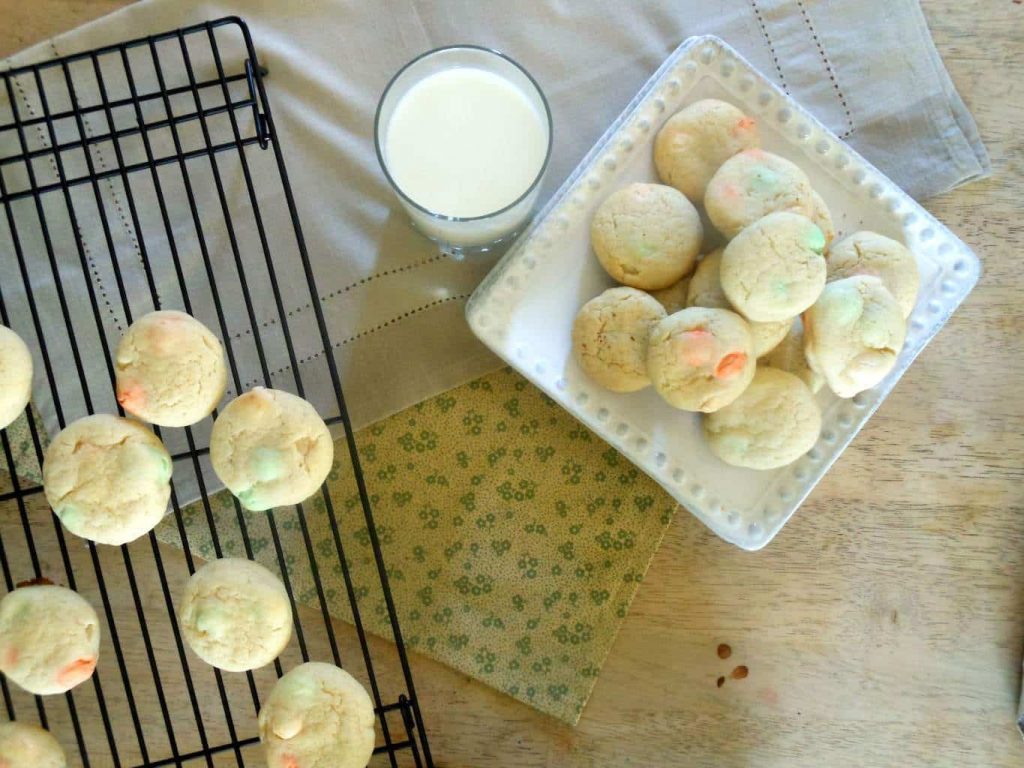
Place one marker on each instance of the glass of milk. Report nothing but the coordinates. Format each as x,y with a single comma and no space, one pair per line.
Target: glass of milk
463,135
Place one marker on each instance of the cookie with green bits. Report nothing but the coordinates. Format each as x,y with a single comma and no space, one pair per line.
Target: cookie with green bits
235,615
774,269
853,334
271,449
646,236
107,478
317,715
752,184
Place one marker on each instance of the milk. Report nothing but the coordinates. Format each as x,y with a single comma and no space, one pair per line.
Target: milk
465,142
465,139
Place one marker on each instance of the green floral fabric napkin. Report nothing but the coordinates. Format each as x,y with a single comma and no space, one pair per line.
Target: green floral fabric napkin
515,539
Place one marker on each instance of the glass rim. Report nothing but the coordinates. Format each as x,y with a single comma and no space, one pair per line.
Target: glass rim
380,151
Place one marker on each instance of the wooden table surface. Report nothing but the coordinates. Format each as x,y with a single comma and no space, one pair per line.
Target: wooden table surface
885,624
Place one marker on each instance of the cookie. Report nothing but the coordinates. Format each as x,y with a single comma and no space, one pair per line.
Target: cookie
107,479
609,338
853,334
752,184
24,745
774,269
170,369
317,716
869,253
695,141
774,422
646,236
789,356
271,449
700,359
49,638
673,298
15,376
706,291
818,212
235,614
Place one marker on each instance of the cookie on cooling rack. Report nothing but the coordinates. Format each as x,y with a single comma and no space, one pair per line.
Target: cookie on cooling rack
15,376
170,369
235,614
107,478
271,449
24,745
49,638
317,715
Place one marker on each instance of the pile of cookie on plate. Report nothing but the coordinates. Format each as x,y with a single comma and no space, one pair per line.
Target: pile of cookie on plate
776,307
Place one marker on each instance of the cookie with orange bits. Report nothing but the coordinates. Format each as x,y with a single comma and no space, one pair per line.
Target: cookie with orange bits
49,638
701,359
695,141
170,369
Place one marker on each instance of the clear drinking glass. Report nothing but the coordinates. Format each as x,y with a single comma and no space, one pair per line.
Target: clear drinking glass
455,235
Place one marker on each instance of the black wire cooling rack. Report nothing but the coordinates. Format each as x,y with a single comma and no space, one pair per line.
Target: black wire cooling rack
153,155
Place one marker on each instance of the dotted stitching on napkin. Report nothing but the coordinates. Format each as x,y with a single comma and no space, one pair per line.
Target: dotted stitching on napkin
771,47
831,72
44,138
393,321
346,289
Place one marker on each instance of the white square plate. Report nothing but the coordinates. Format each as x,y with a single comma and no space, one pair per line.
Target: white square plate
525,308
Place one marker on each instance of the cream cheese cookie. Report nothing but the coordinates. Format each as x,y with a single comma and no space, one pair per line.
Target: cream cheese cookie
317,716
49,638
853,334
646,236
107,479
609,338
774,269
752,184
695,141
271,449
774,422
24,745
170,369
706,291
673,298
235,614
789,356
700,359
15,376
869,253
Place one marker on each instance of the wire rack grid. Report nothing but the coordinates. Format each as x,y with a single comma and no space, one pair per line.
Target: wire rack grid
159,157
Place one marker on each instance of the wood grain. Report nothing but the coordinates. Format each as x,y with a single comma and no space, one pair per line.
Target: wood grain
884,626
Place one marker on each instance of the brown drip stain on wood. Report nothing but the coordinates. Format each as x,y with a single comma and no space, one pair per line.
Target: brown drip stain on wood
740,672
724,651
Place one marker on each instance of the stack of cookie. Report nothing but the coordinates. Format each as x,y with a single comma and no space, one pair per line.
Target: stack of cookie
108,480
749,332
